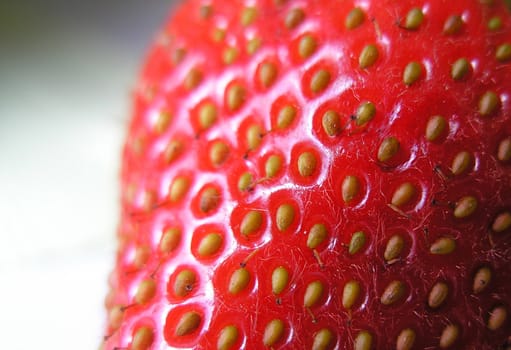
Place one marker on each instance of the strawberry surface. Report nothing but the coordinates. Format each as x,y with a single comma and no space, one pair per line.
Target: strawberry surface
319,175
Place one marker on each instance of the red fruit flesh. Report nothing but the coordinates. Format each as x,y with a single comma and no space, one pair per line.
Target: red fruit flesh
253,152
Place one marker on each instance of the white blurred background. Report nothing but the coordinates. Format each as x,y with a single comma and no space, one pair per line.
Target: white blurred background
67,68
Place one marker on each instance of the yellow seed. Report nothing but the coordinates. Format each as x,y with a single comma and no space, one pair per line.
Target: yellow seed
460,69
179,188
443,246
188,323
209,199
368,56
173,150
354,18
248,16
210,244
294,18
229,55
393,293
320,81
363,341
273,166
307,46
285,216
239,280
184,283
254,136
503,53
481,280
331,122
502,222
279,280
142,255
465,207
405,339
453,25
218,34
357,242
414,19
495,23
350,188
404,194
253,45
489,104
205,11
394,248
449,336
115,316
228,337
142,339
388,149
313,293
317,235
178,55
273,332
350,294
323,340
412,73
504,151
267,74
286,116
251,222
170,240
193,79
307,164
218,153
208,115
435,127
365,113
497,318
461,163
235,98
245,181
145,292
437,295
162,122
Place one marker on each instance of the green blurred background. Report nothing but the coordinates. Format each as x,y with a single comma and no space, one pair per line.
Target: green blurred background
67,68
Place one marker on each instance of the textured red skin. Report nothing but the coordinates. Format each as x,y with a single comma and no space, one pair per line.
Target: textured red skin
402,111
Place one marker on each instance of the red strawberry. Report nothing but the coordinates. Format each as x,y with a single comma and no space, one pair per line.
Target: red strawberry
319,175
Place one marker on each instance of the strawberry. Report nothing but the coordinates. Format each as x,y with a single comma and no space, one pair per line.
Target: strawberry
319,175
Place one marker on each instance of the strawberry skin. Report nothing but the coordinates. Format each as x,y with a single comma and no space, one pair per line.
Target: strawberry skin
319,175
